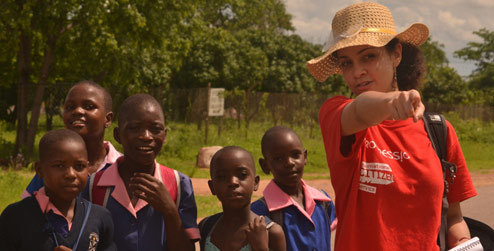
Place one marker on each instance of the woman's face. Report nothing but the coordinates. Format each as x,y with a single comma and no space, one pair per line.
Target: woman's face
367,68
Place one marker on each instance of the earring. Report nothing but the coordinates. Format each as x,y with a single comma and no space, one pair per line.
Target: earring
394,85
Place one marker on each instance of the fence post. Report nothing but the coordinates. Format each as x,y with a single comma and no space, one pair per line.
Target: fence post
207,115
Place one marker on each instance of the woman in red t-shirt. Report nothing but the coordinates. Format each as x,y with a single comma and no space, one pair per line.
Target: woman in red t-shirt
387,178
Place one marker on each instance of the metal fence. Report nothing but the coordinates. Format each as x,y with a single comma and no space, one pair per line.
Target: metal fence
301,109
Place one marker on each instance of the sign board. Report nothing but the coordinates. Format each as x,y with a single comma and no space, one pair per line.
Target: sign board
217,102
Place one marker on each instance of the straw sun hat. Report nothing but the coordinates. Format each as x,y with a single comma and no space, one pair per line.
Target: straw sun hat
364,23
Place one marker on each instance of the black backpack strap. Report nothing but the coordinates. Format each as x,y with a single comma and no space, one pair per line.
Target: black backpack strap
276,216
435,125
205,227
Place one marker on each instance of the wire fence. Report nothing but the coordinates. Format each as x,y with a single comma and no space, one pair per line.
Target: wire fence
293,109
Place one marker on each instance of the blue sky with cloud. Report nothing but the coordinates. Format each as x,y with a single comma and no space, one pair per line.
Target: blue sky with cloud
451,22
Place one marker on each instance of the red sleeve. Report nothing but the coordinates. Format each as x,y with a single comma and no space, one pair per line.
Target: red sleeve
462,187
330,123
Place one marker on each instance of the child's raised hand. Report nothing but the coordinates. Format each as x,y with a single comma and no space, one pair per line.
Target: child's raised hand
150,189
257,234
62,248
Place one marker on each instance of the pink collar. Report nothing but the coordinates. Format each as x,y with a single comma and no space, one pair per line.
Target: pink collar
278,199
46,205
111,177
111,156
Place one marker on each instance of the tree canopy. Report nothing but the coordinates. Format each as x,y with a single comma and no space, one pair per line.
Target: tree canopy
131,46
482,53
442,84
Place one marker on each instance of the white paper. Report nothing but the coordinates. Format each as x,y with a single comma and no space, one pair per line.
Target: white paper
470,245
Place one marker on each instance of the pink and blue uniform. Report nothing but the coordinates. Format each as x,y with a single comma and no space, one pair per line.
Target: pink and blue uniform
141,227
36,224
110,158
306,228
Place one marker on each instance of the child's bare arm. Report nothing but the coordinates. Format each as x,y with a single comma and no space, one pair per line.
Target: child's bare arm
257,234
277,238
153,191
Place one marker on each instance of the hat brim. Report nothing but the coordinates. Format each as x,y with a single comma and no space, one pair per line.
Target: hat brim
325,65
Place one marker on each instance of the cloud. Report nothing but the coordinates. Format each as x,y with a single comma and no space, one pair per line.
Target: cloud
484,3
451,22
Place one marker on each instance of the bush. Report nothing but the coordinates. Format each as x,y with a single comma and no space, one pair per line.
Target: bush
472,129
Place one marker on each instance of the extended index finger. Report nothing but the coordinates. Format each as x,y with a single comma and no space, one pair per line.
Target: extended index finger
419,112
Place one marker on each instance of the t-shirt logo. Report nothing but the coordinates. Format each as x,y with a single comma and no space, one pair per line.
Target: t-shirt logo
376,173
93,241
393,155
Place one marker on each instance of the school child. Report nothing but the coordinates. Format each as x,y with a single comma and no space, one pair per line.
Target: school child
233,180
87,111
306,214
55,218
153,206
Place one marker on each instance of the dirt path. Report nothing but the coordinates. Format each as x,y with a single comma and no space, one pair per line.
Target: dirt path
478,207
480,179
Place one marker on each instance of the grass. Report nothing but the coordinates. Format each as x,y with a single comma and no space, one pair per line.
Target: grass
208,205
184,142
12,184
478,155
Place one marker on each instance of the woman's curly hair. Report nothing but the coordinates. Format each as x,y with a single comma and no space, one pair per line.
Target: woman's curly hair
411,70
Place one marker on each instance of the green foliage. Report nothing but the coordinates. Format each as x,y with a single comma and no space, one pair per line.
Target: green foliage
442,84
482,53
240,43
12,184
473,130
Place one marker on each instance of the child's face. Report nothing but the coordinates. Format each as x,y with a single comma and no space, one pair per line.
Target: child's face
142,135
64,170
84,111
285,158
233,179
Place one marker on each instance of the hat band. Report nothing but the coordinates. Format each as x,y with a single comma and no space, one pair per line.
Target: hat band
382,30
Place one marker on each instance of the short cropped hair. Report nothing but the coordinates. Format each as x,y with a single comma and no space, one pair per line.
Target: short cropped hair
54,137
271,132
108,102
136,100
228,149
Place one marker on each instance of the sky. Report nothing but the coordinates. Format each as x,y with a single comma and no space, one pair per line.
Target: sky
450,22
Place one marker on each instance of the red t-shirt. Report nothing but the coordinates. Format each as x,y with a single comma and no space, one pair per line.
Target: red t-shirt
389,188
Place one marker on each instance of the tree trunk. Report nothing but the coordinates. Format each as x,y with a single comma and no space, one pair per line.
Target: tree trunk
50,111
38,96
24,63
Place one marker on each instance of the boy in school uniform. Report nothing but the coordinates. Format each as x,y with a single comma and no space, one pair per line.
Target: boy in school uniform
87,111
55,218
142,195
305,213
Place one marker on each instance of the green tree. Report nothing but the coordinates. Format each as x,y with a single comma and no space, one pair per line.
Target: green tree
442,84
123,44
241,43
219,58
482,53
